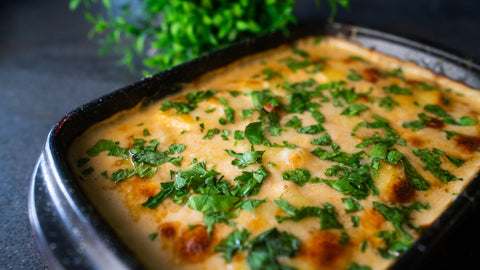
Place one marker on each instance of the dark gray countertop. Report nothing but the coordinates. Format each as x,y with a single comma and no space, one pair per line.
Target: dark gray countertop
48,67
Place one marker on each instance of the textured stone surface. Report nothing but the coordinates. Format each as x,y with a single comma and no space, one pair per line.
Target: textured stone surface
48,67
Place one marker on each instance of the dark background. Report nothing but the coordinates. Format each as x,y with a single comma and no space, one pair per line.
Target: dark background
48,67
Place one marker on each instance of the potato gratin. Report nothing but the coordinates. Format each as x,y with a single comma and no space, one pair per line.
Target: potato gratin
319,155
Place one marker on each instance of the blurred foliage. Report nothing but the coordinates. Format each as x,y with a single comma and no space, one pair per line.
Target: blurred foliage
164,33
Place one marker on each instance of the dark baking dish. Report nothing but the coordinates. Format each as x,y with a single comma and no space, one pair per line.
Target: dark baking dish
71,234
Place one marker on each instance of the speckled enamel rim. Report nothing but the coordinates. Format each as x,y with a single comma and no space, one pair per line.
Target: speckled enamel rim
71,234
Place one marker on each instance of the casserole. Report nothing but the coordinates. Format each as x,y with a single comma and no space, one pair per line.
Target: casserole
73,209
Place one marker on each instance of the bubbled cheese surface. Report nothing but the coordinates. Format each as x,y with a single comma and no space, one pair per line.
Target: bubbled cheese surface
183,241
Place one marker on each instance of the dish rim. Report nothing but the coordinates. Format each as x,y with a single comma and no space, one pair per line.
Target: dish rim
53,156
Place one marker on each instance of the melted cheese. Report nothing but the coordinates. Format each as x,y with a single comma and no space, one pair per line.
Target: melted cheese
183,241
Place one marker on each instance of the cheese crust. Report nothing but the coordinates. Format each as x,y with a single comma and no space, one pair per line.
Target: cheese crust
345,152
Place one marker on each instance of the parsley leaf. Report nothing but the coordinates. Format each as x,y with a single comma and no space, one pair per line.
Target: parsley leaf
254,133
397,90
313,129
249,182
397,73
388,103
211,133
244,159
270,74
432,163
153,202
356,266
447,118
354,76
396,244
324,140
351,205
193,99
212,202
295,64
107,145
235,242
266,247
354,110
337,156
399,216
294,123
249,205
457,162
415,179
414,125
326,214
298,176
146,159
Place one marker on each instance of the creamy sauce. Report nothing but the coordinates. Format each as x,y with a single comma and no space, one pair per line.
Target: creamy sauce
173,235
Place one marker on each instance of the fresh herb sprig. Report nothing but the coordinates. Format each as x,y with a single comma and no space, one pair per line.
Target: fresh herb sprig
164,33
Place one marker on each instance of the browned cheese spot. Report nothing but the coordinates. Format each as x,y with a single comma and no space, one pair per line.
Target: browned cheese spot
400,191
415,141
254,83
371,74
467,143
168,230
140,189
434,123
371,221
194,245
414,83
324,250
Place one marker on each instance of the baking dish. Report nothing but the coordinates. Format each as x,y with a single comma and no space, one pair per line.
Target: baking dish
71,233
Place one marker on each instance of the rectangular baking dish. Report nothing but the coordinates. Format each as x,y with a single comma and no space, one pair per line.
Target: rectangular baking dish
71,234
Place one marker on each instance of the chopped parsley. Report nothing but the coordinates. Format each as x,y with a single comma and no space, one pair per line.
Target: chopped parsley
354,110
351,205
356,266
254,133
265,249
184,107
147,158
326,214
399,216
396,73
447,118
357,58
235,242
456,161
110,146
82,161
313,129
298,176
427,87
388,103
249,183
262,250
397,90
211,133
354,76
415,179
295,64
270,74
152,236
294,123
323,140
395,244
244,159
432,162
